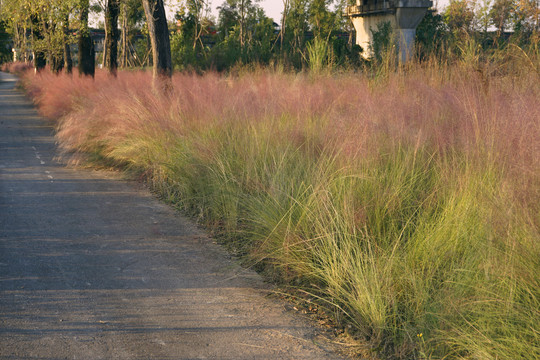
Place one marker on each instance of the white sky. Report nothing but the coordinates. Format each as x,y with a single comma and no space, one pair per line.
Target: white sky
272,8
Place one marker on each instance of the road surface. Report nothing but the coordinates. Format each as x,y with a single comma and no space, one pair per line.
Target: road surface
93,267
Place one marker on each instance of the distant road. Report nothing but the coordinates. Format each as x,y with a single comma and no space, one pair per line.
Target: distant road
93,267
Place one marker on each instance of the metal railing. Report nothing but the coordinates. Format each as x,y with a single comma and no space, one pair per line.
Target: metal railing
376,7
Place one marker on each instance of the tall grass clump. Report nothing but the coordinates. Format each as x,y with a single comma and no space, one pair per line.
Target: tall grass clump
318,55
409,204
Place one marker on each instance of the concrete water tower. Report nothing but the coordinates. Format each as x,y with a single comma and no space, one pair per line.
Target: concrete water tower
403,15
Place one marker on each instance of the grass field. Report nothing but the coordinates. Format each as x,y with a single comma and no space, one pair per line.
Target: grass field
407,203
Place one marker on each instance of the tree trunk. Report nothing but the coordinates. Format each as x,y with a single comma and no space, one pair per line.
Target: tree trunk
283,23
352,34
242,23
124,51
17,43
105,41
159,38
87,61
111,36
47,36
68,62
24,45
55,58
40,61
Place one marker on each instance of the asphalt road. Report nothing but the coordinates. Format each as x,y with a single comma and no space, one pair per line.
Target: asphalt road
93,267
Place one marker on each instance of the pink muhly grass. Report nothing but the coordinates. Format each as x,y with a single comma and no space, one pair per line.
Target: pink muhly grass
344,113
18,67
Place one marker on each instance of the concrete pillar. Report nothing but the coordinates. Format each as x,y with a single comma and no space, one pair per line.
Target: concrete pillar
403,15
405,43
365,25
407,19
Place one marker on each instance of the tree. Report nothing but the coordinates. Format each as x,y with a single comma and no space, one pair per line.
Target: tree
430,34
459,16
321,20
5,50
259,37
246,34
482,16
242,7
68,62
192,26
227,19
198,9
87,62
501,14
112,9
297,25
239,15
286,6
55,16
40,60
132,17
159,37
47,23
16,15
55,20
527,15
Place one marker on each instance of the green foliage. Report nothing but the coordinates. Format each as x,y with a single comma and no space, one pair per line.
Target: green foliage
245,35
38,26
459,16
5,44
262,39
322,20
183,54
135,13
142,51
228,52
319,55
501,14
296,25
344,54
383,44
187,45
431,34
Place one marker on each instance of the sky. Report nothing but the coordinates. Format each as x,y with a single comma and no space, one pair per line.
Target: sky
272,8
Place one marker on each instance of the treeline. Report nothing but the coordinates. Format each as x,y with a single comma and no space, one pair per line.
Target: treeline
47,28
310,34
243,34
314,33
